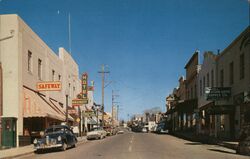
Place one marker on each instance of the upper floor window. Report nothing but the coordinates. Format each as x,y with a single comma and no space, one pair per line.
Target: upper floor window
212,78
59,77
204,83
39,69
29,61
53,75
242,66
222,78
231,73
200,87
208,82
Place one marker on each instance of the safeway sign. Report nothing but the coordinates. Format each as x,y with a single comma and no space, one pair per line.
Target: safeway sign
49,86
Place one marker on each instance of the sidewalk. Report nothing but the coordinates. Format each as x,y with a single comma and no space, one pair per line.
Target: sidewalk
25,150
206,140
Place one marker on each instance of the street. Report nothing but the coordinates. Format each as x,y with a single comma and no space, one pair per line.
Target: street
141,146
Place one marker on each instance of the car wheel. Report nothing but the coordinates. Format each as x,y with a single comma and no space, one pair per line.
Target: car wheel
64,146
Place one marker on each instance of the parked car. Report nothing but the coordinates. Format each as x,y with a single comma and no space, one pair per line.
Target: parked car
120,131
96,133
161,128
58,136
144,129
109,130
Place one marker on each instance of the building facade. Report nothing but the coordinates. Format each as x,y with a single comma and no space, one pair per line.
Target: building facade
27,60
233,71
206,79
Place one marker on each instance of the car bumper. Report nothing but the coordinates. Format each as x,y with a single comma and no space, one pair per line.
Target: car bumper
43,146
92,136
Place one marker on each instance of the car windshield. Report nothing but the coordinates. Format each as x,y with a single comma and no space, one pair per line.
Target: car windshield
54,130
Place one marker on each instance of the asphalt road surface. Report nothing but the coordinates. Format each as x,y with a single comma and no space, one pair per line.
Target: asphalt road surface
141,146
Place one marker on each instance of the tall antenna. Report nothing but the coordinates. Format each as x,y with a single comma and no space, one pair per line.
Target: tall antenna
69,36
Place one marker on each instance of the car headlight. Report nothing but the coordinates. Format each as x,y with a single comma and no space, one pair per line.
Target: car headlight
35,141
59,138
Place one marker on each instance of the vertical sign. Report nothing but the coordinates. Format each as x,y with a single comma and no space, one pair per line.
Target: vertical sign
85,86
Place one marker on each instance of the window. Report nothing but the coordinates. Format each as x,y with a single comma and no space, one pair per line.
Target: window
29,61
242,66
191,93
39,69
222,78
231,73
204,83
200,87
59,77
195,91
53,75
212,78
208,82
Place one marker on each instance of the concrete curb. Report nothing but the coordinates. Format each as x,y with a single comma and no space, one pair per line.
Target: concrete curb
32,151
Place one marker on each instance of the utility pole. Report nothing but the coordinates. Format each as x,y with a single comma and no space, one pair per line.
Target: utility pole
113,104
103,82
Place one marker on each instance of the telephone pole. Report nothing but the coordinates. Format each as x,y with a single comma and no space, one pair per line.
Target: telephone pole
103,72
113,104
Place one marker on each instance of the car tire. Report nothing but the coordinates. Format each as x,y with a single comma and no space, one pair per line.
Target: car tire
64,146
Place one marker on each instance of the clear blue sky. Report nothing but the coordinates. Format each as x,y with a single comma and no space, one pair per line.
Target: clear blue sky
145,43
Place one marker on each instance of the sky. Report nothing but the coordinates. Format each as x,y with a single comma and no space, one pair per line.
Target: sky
145,44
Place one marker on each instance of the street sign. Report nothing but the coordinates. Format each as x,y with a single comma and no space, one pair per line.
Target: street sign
217,93
78,102
49,86
78,120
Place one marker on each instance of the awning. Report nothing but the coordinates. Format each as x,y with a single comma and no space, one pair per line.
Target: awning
34,105
60,110
188,106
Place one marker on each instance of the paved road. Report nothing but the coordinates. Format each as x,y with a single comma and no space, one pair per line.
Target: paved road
141,146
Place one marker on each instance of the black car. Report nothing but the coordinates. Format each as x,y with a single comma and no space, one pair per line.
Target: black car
58,136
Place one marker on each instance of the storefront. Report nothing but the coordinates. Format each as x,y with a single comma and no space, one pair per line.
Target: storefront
38,114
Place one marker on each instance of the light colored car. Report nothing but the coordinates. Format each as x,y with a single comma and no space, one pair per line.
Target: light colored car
96,133
144,129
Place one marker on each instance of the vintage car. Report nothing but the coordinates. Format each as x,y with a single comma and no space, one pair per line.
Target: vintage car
58,136
96,133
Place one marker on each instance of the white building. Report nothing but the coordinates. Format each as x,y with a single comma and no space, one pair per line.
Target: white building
26,60
206,78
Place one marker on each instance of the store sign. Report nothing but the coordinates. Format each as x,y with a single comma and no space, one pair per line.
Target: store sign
217,93
78,102
49,86
88,114
85,87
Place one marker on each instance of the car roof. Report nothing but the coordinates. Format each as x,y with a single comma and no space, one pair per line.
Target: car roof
58,126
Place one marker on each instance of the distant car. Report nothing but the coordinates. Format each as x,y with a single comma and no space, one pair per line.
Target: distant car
58,136
145,130
109,130
161,128
96,133
120,132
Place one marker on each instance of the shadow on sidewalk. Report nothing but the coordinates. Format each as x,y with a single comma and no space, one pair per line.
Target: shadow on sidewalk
222,151
193,143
